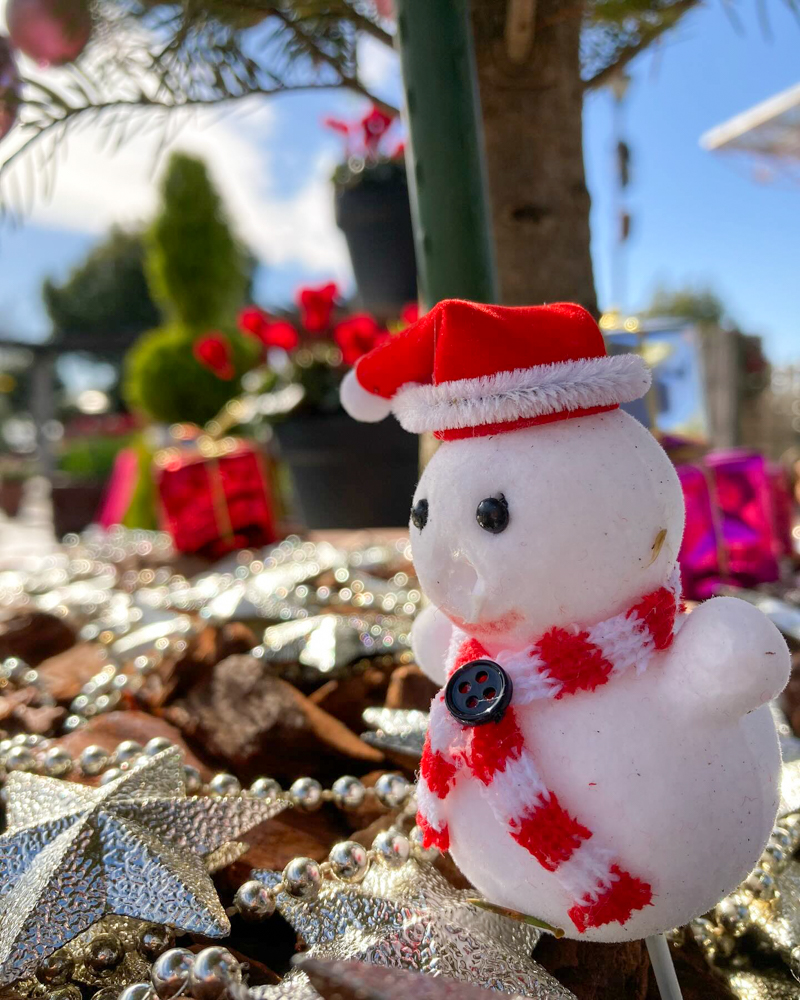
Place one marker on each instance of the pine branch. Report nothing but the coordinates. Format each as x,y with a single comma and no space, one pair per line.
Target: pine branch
648,34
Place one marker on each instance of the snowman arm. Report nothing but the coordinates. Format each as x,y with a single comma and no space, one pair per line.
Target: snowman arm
430,641
727,660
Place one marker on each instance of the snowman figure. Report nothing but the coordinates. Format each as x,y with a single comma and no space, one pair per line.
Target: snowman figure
596,757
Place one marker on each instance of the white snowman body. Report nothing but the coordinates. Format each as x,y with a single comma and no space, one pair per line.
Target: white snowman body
675,769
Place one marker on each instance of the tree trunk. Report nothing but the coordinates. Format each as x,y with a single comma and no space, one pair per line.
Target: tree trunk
532,113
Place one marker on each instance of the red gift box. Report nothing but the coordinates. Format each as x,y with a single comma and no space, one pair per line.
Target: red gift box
215,496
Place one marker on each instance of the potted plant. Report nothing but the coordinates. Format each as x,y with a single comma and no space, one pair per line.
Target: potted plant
373,211
345,474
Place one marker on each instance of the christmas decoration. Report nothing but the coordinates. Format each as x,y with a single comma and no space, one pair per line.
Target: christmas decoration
133,846
547,529
10,85
215,496
410,917
736,522
52,32
214,351
316,306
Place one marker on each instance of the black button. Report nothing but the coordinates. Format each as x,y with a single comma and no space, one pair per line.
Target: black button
478,692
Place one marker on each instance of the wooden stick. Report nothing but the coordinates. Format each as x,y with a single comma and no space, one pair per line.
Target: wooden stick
664,970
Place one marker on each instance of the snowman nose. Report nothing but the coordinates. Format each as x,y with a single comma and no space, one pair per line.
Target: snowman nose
464,588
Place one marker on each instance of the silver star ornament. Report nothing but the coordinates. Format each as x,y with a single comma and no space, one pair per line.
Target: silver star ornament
133,847
411,918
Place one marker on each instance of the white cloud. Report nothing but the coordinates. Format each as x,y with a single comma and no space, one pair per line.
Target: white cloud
379,67
96,186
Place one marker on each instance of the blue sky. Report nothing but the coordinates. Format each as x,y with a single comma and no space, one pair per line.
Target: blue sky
697,217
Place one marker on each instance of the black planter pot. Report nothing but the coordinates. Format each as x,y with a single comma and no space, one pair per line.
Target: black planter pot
375,218
347,474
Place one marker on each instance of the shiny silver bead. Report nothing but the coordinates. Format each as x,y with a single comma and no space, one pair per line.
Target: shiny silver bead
192,779
127,751
214,971
302,878
307,794
73,722
154,940
105,952
265,788
392,848
392,790
733,917
421,853
157,745
170,972
348,792
139,991
56,969
57,762
774,859
760,883
348,861
20,759
781,838
93,760
254,901
110,775
224,784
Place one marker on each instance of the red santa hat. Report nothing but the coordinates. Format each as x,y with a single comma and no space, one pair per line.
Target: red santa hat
466,369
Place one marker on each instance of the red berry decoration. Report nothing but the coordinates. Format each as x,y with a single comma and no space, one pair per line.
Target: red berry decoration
9,87
52,32
214,353
316,306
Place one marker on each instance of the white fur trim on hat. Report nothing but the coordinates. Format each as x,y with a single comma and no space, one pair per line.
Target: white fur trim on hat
522,394
360,403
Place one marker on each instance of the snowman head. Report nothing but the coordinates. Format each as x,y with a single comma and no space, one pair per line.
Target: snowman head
566,523
546,504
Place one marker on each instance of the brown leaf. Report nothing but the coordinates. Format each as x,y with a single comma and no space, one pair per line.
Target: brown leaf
33,636
175,678
338,980
410,688
64,675
259,724
346,699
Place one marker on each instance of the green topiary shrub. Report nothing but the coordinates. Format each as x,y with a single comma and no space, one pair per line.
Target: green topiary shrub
198,274
163,378
196,269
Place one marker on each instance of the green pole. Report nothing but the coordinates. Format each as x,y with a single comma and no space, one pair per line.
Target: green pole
446,169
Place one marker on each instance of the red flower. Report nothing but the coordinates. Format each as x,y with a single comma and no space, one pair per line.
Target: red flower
214,352
410,313
316,306
337,125
375,125
271,332
358,335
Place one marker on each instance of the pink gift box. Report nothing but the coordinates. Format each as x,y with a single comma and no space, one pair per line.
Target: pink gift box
734,533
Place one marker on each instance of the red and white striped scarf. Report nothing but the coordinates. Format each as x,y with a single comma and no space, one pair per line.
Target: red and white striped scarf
562,662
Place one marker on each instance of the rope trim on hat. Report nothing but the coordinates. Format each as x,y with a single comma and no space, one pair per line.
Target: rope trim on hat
524,393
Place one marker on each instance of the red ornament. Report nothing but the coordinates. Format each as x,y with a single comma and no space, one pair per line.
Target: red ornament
52,32
271,332
214,353
316,306
10,85
375,125
357,336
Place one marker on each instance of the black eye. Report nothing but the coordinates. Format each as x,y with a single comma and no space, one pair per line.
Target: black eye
419,514
492,514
